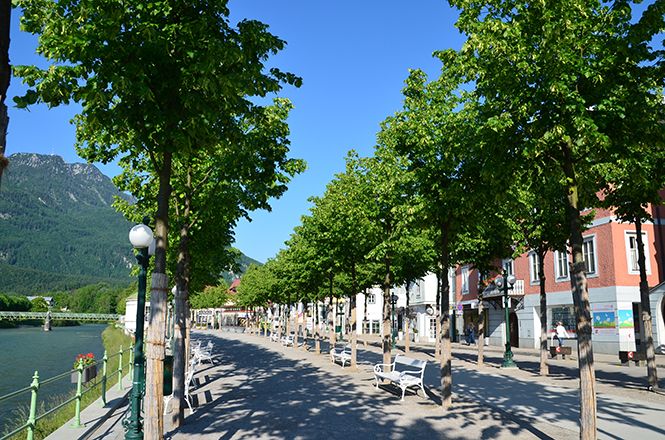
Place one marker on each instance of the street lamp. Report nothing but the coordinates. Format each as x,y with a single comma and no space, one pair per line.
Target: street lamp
505,283
393,301
142,239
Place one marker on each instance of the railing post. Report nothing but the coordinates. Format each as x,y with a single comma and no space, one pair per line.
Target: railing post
131,360
79,394
104,362
33,406
120,369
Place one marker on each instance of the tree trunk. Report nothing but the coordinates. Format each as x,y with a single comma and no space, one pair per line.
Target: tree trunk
155,341
287,319
407,332
280,311
365,335
5,77
332,337
446,354
387,329
317,338
181,296
296,329
544,368
353,320
481,330
580,290
647,332
437,329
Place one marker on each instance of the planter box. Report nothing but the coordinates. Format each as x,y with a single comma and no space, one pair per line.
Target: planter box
88,374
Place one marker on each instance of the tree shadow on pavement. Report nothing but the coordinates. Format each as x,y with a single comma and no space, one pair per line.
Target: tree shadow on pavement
259,392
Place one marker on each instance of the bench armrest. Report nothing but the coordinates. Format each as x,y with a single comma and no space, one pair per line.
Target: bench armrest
377,367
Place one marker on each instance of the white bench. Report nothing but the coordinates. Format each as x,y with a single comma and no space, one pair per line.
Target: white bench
405,372
341,355
287,340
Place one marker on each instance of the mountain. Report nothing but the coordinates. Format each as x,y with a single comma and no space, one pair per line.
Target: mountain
58,230
58,226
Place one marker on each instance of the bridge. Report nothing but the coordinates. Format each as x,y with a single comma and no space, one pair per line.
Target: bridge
70,316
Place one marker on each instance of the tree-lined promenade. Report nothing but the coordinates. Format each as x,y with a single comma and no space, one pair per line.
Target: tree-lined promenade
547,110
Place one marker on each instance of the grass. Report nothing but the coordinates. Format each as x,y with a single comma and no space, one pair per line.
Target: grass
112,338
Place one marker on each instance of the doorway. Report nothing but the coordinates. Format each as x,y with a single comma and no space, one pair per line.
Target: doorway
514,330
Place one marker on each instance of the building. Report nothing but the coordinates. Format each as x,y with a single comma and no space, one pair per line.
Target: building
610,253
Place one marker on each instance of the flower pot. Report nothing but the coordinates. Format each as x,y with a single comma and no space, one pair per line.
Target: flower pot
89,373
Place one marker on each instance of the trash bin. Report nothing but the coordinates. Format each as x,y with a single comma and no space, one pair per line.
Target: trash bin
168,375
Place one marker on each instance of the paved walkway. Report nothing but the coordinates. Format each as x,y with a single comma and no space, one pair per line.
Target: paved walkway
259,389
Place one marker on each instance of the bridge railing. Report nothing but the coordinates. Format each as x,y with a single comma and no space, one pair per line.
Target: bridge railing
83,377
69,316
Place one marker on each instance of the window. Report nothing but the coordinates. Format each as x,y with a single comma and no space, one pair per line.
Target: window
465,279
432,328
561,265
589,254
375,327
631,252
533,268
415,290
508,266
371,298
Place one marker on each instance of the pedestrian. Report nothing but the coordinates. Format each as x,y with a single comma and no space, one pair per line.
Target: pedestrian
470,334
560,333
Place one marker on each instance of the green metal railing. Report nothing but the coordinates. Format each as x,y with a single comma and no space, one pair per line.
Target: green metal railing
70,316
30,425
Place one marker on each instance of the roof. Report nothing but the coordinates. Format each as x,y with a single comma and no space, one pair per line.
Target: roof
233,288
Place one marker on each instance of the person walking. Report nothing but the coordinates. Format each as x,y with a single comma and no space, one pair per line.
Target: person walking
560,333
470,334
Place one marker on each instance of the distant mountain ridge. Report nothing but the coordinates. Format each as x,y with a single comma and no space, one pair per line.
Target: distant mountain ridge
58,226
58,230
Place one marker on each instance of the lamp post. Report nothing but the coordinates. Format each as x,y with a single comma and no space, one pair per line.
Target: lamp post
505,283
393,301
142,239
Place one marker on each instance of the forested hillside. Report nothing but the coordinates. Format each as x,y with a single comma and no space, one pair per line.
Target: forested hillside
58,228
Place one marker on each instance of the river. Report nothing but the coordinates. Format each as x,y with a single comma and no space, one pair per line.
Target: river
25,350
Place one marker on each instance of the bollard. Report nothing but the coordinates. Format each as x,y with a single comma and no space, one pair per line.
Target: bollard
120,369
79,394
32,418
104,362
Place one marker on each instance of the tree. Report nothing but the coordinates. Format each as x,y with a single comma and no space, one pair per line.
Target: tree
543,74
344,217
437,141
212,297
39,304
150,89
5,77
539,223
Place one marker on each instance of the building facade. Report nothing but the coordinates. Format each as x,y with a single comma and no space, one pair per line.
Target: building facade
610,254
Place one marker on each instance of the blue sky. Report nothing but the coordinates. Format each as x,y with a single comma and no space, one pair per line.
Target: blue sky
353,57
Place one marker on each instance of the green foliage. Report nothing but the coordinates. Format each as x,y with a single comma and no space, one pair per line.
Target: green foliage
96,298
211,297
14,303
39,304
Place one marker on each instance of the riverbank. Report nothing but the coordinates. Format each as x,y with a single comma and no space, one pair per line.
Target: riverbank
51,354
